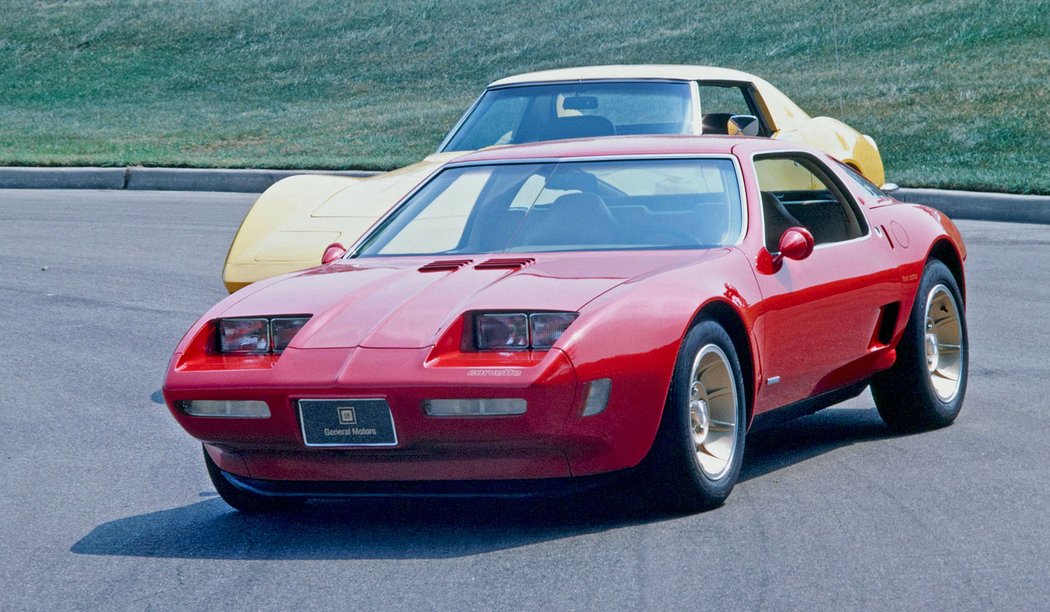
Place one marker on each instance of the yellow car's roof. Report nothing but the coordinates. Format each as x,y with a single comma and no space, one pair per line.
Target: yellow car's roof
651,71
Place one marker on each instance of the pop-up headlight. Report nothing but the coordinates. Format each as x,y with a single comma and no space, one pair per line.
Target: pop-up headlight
244,335
547,327
502,331
519,331
258,335
284,329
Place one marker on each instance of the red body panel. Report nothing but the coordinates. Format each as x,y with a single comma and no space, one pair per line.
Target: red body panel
381,328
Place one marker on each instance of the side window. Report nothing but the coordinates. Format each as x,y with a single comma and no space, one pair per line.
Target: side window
798,191
718,102
862,182
499,126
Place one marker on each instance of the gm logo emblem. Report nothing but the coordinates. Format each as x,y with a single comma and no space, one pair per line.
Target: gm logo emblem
347,416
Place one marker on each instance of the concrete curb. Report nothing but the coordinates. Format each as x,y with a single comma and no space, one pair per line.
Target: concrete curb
164,179
199,179
976,205
981,206
62,178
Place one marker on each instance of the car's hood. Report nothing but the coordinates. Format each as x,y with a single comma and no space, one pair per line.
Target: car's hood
396,303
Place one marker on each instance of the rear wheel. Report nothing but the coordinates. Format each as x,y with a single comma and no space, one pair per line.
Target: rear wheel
244,500
925,387
696,457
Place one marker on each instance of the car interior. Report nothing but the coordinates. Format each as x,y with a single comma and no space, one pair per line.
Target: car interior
590,212
797,191
589,219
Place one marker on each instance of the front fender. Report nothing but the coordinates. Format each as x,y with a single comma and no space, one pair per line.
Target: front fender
251,259
632,335
294,220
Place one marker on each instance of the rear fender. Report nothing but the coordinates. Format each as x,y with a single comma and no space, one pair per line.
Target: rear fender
846,145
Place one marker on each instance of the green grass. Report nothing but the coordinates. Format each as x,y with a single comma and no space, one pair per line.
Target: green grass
955,92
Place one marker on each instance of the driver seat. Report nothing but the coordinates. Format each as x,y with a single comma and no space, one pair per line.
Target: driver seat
777,219
574,218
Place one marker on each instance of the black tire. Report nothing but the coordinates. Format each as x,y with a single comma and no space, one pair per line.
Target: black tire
246,501
673,466
905,395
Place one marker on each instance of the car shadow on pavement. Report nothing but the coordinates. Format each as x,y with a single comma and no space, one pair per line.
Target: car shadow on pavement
784,445
444,528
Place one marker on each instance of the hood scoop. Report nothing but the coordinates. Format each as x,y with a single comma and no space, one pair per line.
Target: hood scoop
445,265
505,263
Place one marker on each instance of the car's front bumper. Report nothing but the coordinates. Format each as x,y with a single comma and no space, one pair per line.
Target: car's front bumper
551,440
525,488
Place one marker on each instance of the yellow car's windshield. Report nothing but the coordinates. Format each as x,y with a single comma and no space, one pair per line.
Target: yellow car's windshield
535,113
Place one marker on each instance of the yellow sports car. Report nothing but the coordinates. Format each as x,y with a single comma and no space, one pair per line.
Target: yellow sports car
291,223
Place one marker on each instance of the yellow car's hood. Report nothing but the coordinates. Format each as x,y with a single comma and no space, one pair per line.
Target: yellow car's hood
292,222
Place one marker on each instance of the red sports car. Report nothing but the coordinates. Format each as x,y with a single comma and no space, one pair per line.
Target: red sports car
539,315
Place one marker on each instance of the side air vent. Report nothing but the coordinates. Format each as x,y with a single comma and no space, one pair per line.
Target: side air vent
445,265
508,263
887,323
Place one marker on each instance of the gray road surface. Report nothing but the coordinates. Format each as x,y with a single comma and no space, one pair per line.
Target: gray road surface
105,502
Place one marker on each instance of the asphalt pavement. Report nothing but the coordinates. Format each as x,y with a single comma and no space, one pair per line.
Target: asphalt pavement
106,504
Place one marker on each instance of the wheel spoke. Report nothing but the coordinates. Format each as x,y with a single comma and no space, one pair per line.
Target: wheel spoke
705,369
720,392
705,449
944,333
715,386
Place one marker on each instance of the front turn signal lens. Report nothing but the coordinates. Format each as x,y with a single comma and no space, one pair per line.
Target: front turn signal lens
243,409
597,396
475,407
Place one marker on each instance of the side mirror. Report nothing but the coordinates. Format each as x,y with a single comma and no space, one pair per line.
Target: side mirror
742,125
795,243
890,187
332,252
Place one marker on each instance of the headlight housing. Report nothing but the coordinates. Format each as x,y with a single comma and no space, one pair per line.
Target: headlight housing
257,335
520,331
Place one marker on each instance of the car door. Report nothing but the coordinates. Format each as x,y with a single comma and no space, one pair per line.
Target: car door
820,327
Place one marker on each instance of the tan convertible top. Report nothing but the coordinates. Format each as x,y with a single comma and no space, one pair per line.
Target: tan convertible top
652,71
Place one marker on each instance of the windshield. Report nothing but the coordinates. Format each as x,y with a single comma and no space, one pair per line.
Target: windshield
533,113
568,206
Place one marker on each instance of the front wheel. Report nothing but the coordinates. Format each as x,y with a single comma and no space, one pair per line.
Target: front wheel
925,387
696,457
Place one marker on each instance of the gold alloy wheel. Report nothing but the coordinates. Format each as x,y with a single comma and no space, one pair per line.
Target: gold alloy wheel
713,411
944,346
